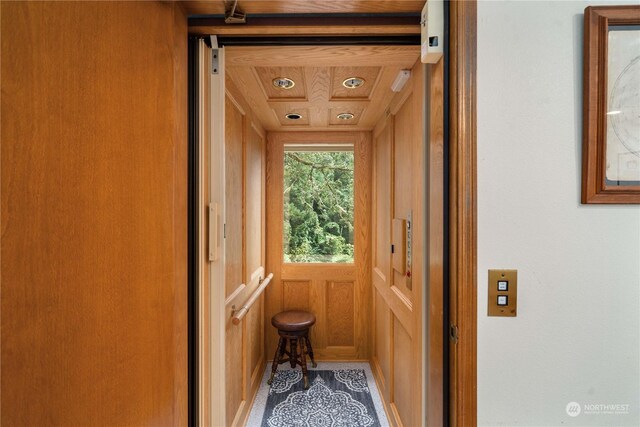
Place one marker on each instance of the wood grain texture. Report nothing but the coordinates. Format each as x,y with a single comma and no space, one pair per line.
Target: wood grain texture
322,56
234,184
296,295
362,220
339,74
382,196
406,127
235,358
180,219
94,218
463,213
382,348
245,188
340,313
399,256
212,7
254,203
403,396
434,269
255,338
318,94
400,159
267,74
281,293
304,30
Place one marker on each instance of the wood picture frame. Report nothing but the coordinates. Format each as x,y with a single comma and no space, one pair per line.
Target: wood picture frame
611,119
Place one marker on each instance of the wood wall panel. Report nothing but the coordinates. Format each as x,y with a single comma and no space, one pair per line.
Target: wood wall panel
254,203
402,399
234,136
382,341
94,257
402,393
255,328
245,196
330,341
234,388
340,313
296,295
382,195
404,181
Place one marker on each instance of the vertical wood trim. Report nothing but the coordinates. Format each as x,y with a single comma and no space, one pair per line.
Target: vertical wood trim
217,268
362,217
204,306
434,222
273,293
463,226
418,227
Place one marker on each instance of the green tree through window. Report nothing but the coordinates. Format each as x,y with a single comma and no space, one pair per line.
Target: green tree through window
318,206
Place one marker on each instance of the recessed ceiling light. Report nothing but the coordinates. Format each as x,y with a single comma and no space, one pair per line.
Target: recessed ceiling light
293,116
283,83
353,82
345,116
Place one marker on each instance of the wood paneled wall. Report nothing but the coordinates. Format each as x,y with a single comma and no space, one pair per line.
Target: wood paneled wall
94,223
400,292
245,152
338,294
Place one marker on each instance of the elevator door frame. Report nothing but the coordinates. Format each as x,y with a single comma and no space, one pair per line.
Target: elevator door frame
461,237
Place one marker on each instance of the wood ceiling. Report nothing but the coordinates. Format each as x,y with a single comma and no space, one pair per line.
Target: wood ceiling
318,95
216,7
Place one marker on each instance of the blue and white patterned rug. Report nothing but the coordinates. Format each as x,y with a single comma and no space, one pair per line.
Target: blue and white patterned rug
340,394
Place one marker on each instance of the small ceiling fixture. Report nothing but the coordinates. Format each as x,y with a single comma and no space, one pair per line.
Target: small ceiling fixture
283,83
401,80
345,116
293,116
353,82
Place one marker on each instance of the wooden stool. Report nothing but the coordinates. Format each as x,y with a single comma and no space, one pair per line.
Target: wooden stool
293,326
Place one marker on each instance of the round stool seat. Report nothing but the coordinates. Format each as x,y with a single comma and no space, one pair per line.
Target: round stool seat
293,320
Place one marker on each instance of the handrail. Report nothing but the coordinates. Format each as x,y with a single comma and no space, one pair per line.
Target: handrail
239,314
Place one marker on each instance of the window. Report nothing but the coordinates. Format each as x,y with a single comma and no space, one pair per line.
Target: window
318,205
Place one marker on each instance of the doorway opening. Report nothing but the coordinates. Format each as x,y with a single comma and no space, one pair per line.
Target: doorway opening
375,308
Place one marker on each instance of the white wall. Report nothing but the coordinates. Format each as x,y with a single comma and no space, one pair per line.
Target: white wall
577,334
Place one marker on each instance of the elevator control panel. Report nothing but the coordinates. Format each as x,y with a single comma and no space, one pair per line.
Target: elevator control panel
503,293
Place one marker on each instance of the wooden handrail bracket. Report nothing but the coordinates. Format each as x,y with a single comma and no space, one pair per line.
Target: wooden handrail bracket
238,315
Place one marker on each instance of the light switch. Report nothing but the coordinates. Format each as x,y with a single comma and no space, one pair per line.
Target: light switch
503,293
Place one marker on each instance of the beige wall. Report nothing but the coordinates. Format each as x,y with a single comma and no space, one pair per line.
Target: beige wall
577,334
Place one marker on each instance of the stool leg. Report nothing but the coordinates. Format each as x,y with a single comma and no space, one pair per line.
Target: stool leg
276,359
303,364
310,351
293,346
